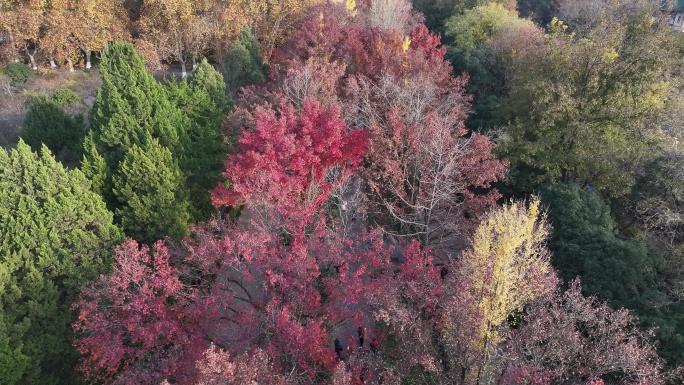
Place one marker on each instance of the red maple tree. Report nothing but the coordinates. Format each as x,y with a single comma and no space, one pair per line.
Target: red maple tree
240,287
286,157
138,322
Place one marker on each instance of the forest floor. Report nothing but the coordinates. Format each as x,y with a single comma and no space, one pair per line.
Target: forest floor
14,102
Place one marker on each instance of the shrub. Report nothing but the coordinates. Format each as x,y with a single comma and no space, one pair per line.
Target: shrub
5,85
19,73
64,96
47,123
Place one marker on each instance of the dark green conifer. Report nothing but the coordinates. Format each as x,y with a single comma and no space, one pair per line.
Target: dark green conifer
244,64
149,186
133,114
46,122
622,272
56,236
130,105
206,78
204,104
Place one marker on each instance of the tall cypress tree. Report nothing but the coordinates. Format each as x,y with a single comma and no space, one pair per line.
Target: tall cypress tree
133,114
56,235
204,104
244,64
130,105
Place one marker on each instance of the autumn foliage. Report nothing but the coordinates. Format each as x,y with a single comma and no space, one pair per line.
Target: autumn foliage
287,155
149,322
370,247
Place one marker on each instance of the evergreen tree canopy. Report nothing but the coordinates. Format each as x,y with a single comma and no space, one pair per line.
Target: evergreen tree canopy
130,105
583,244
541,11
150,187
47,123
204,104
206,78
619,271
244,64
56,235
179,123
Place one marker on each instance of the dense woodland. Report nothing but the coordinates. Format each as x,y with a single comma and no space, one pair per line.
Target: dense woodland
344,192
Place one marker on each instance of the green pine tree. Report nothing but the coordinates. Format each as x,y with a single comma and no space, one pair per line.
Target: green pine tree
133,113
203,101
130,105
46,122
244,64
150,187
56,236
206,78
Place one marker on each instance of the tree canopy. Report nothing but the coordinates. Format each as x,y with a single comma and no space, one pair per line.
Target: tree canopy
590,106
56,236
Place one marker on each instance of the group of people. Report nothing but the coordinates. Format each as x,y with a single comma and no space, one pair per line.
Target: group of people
366,373
362,336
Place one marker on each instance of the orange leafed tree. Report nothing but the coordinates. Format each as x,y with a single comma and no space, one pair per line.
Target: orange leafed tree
84,26
182,30
21,20
174,28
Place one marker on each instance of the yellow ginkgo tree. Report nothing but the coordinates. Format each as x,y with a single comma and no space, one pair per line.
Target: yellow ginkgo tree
507,266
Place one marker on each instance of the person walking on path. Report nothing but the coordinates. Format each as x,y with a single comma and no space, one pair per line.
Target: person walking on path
338,348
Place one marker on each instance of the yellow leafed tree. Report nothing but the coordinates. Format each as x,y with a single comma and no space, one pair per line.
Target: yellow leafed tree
176,28
100,22
75,26
226,19
508,264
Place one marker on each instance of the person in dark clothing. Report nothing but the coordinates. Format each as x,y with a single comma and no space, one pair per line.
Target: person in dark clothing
338,347
365,375
374,344
362,335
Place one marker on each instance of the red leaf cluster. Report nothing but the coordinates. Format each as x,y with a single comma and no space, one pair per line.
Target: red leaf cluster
140,315
286,156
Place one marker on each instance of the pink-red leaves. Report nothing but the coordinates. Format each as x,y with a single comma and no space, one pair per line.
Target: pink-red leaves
286,155
136,316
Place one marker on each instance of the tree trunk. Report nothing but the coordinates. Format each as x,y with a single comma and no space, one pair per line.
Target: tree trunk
31,56
566,175
33,60
181,58
194,62
52,63
15,53
71,65
87,52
